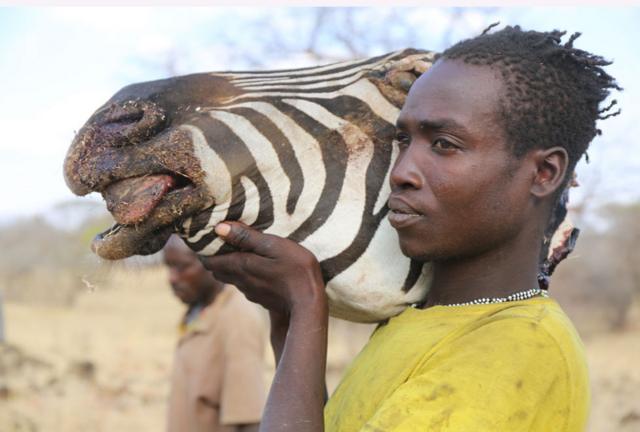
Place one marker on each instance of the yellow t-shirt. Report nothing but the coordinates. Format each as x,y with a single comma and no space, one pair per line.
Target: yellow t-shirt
516,366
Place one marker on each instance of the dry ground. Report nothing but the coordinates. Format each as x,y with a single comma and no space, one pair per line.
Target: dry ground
103,364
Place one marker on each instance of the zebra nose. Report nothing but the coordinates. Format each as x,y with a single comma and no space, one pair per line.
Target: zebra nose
129,122
99,146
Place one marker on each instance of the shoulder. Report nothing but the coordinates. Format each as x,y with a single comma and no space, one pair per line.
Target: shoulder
540,327
516,358
530,324
528,341
530,346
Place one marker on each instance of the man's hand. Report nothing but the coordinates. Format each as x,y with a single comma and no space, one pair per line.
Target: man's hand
275,272
285,278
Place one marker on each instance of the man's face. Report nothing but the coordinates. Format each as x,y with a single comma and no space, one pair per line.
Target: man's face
457,191
190,281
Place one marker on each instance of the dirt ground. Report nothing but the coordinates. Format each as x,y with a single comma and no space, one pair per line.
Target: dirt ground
103,363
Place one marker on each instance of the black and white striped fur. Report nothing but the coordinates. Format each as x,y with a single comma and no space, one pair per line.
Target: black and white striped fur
306,154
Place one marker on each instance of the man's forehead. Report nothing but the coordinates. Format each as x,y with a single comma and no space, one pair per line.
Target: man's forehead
453,90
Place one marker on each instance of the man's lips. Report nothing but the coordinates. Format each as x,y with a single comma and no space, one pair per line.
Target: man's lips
402,214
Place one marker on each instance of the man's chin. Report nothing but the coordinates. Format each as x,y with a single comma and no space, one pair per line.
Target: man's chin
416,251
426,253
182,297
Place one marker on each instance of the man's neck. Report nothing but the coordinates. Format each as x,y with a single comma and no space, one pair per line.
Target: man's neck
497,273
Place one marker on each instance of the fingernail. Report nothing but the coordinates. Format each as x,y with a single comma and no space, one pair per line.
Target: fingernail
222,229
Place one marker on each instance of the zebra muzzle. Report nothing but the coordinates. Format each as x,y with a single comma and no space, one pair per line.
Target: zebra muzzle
146,172
154,210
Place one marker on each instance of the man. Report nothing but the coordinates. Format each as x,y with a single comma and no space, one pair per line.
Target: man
488,141
218,373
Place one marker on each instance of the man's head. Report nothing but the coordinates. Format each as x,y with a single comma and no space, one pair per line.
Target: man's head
190,281
488,138
552,91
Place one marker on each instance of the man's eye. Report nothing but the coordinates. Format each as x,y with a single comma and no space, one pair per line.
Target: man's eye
444,144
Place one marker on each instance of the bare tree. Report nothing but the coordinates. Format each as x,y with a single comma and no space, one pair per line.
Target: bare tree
308,36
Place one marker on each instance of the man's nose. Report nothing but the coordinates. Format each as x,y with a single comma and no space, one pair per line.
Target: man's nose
406,173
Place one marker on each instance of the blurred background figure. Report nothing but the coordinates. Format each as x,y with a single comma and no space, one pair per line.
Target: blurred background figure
217,382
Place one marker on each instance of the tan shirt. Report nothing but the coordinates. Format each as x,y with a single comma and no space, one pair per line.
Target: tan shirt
218,370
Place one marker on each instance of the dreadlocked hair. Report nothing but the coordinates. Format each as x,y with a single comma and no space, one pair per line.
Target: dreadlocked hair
553,91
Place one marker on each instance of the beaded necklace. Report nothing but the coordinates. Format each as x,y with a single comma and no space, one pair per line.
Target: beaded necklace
522,295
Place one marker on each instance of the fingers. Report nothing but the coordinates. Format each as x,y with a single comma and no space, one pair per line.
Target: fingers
245,238
247,272
233,267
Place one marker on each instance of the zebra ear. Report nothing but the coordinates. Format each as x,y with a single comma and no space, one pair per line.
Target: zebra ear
401,80
396,77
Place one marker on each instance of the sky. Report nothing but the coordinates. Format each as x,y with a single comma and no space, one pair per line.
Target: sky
57,65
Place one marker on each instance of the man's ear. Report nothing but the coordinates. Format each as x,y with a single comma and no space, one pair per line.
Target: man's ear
551,168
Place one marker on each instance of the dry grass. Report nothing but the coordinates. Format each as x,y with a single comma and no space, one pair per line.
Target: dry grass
103,363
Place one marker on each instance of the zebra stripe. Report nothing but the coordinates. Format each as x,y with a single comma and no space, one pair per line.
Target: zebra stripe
252,208
288,82
265,160
236,159
347,107
312,70
217,179
350,206
319,84
300,161
333,160
283,150
361,89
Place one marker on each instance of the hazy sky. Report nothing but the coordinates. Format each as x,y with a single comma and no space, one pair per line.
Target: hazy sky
57,65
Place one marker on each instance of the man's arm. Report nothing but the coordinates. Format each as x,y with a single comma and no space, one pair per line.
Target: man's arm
279,328
278,335
297,395
284,278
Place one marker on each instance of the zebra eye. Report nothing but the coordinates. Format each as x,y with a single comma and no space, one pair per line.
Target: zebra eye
402,139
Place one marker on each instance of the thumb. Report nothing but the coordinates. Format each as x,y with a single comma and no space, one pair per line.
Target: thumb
244,238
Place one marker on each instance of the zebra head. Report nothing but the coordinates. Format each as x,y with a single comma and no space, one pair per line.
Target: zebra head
301,153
